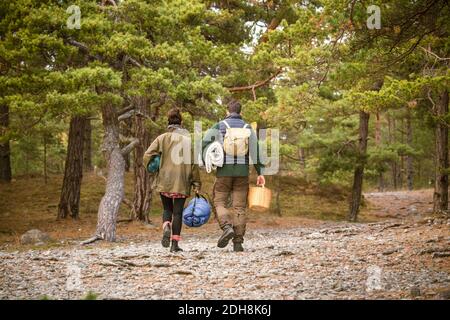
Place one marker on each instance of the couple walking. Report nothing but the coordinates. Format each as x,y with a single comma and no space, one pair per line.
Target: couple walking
177,174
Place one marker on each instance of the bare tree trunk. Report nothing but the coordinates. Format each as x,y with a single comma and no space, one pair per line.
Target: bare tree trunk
278,192
69,202
87,161
127,132
394,163
302,157
142,180
402,157
391,124
115,183
114,193
359,170
409,159
378,129
5,151
440,199
378,143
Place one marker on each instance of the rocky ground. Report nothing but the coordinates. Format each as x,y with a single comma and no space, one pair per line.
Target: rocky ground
403,257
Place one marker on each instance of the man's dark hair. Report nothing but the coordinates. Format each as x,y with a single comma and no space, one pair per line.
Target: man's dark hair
234,106
174,116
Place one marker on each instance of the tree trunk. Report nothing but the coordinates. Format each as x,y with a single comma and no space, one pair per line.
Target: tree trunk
115,184
391,123
87,161
402,157
409,158
378,143
5,152
302,157
73,173
142,180
277,196
440,199
127,132
394,163
359,170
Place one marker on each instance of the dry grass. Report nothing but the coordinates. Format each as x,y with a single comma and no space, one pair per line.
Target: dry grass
29,203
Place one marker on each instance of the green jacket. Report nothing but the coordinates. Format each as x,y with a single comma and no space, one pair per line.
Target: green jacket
231,170
176,173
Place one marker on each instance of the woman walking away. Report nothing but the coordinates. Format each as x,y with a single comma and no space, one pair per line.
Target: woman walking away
176,176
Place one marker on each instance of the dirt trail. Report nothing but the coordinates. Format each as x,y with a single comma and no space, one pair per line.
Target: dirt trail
406,256
401,204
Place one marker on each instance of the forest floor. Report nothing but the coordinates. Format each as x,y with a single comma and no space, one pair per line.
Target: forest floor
401,251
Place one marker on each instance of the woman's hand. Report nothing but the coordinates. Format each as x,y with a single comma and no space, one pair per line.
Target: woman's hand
196,188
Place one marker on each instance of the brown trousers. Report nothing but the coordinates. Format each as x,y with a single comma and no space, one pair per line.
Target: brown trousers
231,212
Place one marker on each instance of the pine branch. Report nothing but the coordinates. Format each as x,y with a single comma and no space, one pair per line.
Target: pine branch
126,115
83,48
128,148
433,54
257,84
125,110
91,240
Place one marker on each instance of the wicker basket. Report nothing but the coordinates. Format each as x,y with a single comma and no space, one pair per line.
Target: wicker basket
259,198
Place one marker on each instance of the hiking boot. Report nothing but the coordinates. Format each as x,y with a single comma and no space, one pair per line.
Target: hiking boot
237,247
166,235
175,247
227,235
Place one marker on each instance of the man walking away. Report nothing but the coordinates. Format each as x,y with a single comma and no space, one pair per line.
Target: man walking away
240,146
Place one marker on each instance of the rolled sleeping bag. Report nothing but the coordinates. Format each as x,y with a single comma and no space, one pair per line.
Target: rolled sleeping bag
197,212
214,156
154,163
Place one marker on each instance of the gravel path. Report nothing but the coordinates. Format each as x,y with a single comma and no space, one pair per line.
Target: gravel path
393,259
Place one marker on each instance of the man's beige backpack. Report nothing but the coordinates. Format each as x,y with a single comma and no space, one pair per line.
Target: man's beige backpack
235,142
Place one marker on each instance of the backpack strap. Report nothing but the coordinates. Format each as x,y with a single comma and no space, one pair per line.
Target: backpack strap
226,124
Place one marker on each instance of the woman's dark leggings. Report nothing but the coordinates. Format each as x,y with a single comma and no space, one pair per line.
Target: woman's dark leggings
173,211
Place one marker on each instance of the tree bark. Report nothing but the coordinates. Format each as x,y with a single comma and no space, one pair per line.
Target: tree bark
378,143
359,170
142,180
394,168
277,196
73,173
440,198
127,132
409,158
5,151
402,157
87,161
302,157
115,184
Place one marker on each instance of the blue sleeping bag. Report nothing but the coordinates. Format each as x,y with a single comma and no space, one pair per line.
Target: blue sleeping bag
197,212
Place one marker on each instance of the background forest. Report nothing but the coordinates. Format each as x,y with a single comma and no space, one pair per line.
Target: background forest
358,90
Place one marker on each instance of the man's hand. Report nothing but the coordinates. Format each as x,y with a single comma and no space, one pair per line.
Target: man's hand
260,181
